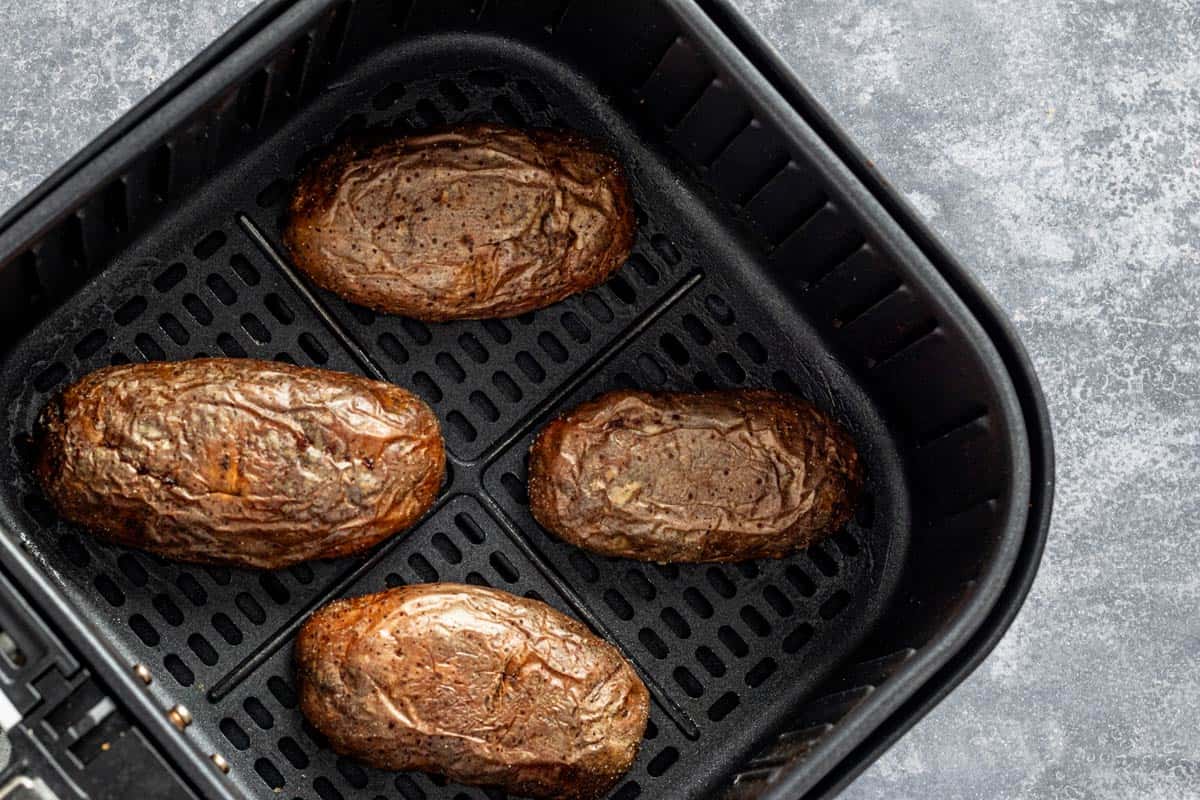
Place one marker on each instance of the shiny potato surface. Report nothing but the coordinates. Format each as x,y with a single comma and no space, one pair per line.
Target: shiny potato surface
677,477
475,684
470,222
240,462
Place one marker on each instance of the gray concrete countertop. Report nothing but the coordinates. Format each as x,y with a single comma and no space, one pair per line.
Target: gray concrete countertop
1055,145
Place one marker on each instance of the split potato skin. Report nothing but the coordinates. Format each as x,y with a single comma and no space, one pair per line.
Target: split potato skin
470,222
239,462
704,477
475,684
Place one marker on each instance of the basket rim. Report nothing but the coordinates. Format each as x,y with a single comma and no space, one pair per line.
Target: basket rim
916,687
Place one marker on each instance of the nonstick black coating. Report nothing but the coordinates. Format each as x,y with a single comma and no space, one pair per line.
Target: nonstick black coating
753,267
720,645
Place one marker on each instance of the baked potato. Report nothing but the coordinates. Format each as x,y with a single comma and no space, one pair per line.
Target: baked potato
240,462
470,222
475,684
677,477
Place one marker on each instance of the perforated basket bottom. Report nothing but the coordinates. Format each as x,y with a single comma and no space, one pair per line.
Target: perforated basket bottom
728,651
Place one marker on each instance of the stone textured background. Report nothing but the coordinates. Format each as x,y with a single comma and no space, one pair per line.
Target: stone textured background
1056,147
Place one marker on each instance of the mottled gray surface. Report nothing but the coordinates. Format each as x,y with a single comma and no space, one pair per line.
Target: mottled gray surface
1056,146
68,68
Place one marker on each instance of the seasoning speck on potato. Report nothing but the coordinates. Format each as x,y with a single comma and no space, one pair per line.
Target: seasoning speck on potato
475,684
677,477
470,222
241,462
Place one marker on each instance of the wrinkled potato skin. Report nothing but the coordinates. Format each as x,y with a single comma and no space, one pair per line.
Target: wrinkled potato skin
676,477
471,222
240,462
474,684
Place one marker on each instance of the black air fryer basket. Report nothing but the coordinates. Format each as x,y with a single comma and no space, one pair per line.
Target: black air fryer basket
768,254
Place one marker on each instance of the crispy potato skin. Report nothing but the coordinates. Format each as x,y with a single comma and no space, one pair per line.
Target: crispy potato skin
475,684
240,462
676,477
471,222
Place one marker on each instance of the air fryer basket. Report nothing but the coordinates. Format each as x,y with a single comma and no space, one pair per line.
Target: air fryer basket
761,260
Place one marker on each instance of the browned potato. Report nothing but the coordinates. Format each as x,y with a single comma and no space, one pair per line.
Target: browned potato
718,476
240,462
475,684
471,222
